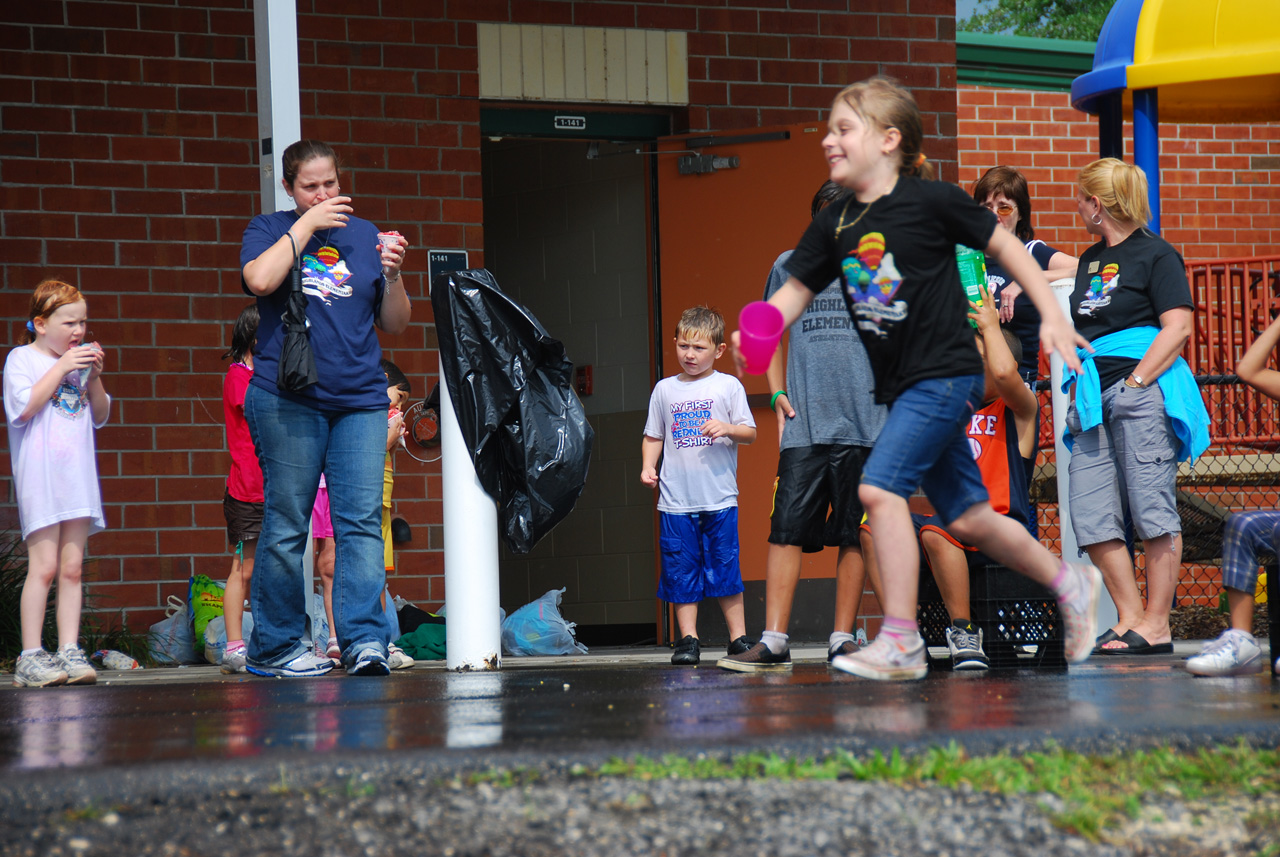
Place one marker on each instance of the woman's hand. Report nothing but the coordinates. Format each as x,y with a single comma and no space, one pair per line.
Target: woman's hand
393,257
1008,295
333,213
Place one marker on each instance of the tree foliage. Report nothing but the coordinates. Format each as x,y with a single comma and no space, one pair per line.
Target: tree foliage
1049,19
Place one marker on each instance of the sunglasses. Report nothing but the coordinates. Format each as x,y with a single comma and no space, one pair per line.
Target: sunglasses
1003,209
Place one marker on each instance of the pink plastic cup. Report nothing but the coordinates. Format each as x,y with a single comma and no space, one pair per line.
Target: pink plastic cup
760,326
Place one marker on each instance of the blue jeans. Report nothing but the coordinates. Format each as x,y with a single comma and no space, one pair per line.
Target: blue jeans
923,445
295,443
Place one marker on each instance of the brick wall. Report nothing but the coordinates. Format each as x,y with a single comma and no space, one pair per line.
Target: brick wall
128,167
1219,184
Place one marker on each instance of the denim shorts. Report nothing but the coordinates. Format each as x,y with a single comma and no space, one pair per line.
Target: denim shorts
1126,462
811,480
699,555
923,445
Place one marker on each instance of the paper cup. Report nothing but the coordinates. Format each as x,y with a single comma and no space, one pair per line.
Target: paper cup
760,326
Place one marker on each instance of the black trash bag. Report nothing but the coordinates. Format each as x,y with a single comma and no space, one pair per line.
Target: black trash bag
297,368
512,389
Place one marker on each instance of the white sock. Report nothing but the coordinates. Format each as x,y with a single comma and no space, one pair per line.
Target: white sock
26,652
838,637
776,641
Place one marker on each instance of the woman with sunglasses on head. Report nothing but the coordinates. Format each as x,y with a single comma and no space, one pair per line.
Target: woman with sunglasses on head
1003,191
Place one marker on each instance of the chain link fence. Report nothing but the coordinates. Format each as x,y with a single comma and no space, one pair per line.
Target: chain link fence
1240,471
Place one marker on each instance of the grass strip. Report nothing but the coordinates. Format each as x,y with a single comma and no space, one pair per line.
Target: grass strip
1097,792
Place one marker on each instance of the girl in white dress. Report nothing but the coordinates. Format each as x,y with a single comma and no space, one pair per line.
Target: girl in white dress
53,401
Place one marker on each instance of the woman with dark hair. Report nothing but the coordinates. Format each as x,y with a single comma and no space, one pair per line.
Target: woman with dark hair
1003,191
351,282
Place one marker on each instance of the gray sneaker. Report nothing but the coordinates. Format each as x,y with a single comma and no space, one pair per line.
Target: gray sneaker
966,648
76,665
369,661
40,669
233,662
305,664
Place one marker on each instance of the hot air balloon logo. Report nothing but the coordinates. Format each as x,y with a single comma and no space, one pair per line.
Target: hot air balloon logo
1104,281
869,272
324,275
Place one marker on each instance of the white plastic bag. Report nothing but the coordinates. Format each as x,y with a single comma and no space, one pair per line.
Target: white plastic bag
537,628
171,640
215,636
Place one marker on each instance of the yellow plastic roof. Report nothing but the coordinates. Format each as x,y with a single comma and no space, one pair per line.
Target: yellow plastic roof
1212,60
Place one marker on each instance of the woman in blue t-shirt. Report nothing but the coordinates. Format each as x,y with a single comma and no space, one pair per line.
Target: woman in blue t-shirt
337,425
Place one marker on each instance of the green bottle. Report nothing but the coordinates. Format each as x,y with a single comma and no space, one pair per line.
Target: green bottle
973,274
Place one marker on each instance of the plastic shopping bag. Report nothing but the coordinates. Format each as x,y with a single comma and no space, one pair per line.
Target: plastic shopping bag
215,636
537,628
170,639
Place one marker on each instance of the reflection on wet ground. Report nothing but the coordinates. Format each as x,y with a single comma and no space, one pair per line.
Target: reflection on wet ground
623,708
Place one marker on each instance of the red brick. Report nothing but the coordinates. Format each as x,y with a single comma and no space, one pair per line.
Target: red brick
105,68
81,93
145,149
143,44
71,40
19,198
197,489
108,122
41,172
217,152
33,64
767,47
75,199
42,119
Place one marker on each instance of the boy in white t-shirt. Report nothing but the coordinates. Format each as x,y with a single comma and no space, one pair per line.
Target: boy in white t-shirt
696,421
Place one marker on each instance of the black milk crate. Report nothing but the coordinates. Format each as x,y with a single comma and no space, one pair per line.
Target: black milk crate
1021,627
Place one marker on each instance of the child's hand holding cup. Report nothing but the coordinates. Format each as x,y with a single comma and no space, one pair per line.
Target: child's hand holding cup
760,327
86,371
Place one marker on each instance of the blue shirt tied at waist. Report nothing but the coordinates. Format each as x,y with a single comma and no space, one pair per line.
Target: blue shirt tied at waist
1182,400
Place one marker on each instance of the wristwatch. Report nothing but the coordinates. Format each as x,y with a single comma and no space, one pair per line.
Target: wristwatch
1137,381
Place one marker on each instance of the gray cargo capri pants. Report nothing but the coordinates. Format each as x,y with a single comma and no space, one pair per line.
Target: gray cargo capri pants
1129,460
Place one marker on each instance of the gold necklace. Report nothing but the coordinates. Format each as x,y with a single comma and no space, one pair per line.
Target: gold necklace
842,226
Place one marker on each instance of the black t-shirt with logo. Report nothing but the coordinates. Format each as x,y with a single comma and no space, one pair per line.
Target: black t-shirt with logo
896,259
1126,286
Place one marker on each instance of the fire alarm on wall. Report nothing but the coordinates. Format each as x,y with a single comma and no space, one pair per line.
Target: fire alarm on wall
582,380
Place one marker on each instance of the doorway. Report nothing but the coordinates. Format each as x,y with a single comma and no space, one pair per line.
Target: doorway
568,236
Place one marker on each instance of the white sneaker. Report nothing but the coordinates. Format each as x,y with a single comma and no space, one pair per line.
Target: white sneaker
1232,653
966,649
885,660
1079,615
305,664
77,666
397,659
38,669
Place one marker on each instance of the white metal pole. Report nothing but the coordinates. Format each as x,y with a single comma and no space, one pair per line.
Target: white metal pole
1106,614
275,38
473,633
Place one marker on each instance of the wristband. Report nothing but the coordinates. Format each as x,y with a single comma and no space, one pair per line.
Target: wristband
773,403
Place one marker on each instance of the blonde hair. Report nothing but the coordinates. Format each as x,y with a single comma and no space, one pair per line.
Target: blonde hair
882,102
701,322
48,298
1121,189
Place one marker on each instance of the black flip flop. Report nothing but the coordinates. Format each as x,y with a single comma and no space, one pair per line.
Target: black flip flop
1104,638
1136,644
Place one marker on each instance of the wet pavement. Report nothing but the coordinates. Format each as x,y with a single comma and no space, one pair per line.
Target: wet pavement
614,703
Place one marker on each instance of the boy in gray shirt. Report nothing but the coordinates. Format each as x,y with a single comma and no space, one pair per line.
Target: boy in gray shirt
823,444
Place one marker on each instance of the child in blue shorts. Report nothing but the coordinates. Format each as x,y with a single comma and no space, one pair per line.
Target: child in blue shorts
696,420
